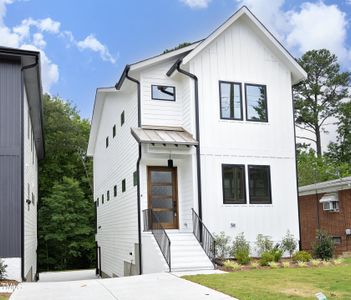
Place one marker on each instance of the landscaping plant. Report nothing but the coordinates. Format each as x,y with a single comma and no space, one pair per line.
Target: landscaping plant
285,264
263,244
303,256
289,243
231,265
302,264
2,269
277,253
315,262
323,247
266,258
273,265
222,245
241,249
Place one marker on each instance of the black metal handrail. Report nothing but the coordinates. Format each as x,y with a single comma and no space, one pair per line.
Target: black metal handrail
152,222
204,236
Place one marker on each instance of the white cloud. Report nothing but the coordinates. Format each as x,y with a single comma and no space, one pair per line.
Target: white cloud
38,40
91,43
196,3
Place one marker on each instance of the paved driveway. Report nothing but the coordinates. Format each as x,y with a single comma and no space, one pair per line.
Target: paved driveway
163,286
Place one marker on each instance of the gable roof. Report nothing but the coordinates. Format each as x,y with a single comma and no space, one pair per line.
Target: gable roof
298,73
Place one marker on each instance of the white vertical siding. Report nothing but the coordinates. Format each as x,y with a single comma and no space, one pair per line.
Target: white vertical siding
117,219
240,55
30,187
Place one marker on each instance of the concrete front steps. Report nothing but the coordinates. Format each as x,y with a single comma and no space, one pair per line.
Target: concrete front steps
186,253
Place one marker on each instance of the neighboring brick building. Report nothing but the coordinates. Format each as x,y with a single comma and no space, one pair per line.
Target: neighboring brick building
326,206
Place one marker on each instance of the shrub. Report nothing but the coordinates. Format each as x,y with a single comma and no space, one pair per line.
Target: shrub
323,247
338,261
326,263
285,264
302,264
222,245
231,265
263,244
302,256
254,265
2,269
315,262
273,265
266,258
289,243
241,249
277,253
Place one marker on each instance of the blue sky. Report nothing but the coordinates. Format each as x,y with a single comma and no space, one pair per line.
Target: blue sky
86,44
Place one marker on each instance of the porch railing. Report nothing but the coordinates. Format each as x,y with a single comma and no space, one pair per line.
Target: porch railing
152,222
204,237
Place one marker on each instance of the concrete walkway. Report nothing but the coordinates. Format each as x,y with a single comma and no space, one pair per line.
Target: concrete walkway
146,287
67,276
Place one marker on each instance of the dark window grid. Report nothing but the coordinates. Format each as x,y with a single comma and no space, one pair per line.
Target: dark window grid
265,101
241,101
162,99
259,188
243,187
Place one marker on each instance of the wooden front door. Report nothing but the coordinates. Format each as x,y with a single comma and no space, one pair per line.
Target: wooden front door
163,195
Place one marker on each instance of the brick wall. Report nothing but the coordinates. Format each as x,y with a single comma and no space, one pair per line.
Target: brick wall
335,223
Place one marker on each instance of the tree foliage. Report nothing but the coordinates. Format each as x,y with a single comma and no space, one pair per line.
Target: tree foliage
318,97
66,210
181,45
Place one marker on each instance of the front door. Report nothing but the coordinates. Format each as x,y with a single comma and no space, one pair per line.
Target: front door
163,195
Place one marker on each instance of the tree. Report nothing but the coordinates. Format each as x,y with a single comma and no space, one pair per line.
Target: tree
181,45
318,97
66,230
65,165
341,150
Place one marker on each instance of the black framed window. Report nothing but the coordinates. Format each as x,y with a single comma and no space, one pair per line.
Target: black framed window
233,182
163,92
337,240
102,199
123,185
256,102
97,202
230,100
260,184
135,178
108,196
107,142
122,118
114,131
115,191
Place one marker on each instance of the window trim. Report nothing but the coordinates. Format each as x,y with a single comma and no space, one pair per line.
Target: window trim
220,100
246,102
156,85
223,196
269,185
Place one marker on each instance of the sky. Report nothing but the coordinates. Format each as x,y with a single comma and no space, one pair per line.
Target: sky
85,44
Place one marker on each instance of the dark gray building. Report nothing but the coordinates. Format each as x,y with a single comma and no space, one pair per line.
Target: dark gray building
21,146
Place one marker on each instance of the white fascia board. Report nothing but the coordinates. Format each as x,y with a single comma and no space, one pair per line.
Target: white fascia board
326,187
298,73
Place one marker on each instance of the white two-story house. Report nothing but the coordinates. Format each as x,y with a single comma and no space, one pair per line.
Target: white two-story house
193,142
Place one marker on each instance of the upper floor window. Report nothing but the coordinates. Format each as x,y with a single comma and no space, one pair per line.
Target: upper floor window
122,118
135,178
123,185
233,177
230,100
106,142
115,191
256,102
260,184
108,196
114,131
162,92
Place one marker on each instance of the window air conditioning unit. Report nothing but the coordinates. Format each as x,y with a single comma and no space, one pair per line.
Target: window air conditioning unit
330,202
348,231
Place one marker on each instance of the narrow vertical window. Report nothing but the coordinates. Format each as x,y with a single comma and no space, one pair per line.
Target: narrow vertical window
233,182
123,185
115,191
97,202
135,178
108,196
114,131
256,102
102,199
107,142
260,184
230,100
122,118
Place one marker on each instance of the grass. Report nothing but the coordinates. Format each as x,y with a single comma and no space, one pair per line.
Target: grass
3,297
289,283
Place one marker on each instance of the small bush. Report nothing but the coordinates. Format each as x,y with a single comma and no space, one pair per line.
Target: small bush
302,264
241,249
338,261
231,265
326,263
323,247
266,258
285,264
273,265
277,253
2,269
222,245
302,256
315,262
289,243
254,265
263,244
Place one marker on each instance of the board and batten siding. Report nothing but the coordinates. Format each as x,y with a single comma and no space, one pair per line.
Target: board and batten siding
117,231
240,55
10,165
30,192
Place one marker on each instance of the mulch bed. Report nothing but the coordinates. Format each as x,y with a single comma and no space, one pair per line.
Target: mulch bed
5,282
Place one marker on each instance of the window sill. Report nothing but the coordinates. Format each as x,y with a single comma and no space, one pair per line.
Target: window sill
247,205
243,121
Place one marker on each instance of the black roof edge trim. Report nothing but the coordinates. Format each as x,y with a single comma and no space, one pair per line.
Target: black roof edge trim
174,67
119,84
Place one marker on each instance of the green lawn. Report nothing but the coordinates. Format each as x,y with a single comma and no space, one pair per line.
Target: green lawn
3,298
292,283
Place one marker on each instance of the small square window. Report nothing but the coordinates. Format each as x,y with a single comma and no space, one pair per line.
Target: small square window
162,92
102,199
122,118
260,185
337,240
233,177
114,131
256,102
115,191
123,185
230,100
135,178
108,196
107,142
